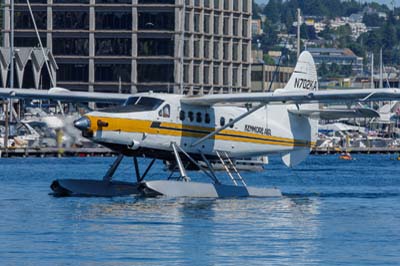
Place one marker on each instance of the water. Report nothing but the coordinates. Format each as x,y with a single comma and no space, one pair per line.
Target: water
333,213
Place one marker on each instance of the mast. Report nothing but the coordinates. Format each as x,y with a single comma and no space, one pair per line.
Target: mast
381,71
298,31
372,71
183,45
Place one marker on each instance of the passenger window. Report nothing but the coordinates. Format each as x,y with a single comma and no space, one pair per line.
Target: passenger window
182,115
207,119
198,117
231,126
222,121
191,116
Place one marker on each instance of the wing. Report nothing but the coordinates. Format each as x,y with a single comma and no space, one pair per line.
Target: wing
334,114
61,94
297,97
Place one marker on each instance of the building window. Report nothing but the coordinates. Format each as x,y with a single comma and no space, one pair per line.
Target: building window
196,74
216,75
216,50
73,72
187,21
206,23
23,19
244,53
113,46
226,25
236,5
155,72
71,46
196,22
155,46
113,72
245,6
186,73
235,51
206,75
196,49
236,27
226,76
244,77
206,49
226,4
216,4
74,20
156,21
108,20
216,24
168,2
226,50
245,28
235,76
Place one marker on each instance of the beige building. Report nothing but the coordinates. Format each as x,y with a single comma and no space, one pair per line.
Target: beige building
262,75
136,45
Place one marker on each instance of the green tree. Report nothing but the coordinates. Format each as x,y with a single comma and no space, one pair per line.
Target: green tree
373,20
272,10
323,70
268,60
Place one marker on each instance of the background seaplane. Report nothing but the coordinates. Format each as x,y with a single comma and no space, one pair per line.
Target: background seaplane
195,130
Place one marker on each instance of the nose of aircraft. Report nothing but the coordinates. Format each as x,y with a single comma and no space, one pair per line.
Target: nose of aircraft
82,123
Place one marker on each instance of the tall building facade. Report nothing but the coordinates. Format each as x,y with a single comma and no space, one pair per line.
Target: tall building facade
136,45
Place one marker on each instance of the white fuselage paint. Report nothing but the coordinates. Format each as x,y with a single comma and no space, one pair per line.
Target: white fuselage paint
272,123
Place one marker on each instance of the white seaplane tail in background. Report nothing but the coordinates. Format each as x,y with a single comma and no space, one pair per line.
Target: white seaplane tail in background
196,131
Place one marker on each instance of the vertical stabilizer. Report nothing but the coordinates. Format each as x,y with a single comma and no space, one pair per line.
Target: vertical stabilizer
304,76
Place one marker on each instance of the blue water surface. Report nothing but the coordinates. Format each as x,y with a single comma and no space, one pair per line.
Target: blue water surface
333,213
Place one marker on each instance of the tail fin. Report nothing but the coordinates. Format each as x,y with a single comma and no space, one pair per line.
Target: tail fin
304,76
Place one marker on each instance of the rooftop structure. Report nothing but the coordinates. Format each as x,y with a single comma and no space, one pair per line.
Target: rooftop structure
136,45
338,56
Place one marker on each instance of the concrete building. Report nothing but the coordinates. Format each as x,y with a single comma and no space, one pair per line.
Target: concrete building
262,75
135,45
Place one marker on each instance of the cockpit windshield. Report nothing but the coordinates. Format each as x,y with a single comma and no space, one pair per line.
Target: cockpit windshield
137,104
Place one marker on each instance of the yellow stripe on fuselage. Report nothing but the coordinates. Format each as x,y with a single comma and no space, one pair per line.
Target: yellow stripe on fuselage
180,130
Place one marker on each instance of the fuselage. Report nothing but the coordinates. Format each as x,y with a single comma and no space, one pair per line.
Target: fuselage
148,123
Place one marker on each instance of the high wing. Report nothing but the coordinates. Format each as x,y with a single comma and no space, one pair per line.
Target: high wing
334,114
297,97
61,94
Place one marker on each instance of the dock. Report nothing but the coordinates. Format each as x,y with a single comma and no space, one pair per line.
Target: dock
354,150
56,152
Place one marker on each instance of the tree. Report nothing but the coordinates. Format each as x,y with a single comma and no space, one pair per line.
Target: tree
373,20
323,70
272,10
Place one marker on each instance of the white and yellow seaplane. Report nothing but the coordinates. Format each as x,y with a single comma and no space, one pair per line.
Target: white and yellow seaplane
198,130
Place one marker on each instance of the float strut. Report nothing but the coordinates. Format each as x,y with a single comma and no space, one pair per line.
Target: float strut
139,177
113,168
179,162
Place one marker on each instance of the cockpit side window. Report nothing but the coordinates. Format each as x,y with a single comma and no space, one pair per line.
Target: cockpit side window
137,104
165,111
131,101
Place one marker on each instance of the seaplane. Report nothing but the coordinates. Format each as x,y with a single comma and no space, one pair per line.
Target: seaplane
192,132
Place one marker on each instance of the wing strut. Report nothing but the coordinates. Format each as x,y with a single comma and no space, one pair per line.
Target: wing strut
240,117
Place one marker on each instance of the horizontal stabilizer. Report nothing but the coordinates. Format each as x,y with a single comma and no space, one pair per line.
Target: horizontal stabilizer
333,114
295,157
